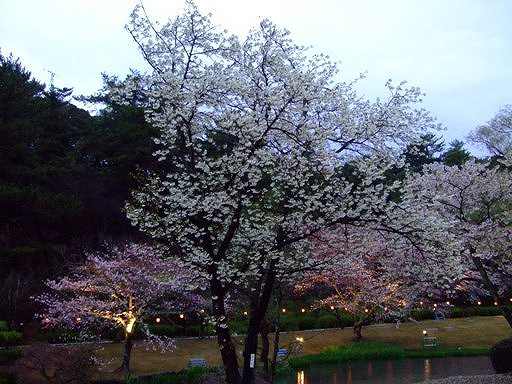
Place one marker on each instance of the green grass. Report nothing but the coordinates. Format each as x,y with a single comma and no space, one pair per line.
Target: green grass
187,376
375,350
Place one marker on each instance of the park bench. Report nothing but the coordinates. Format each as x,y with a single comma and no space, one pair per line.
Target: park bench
197,362
430,342
282,354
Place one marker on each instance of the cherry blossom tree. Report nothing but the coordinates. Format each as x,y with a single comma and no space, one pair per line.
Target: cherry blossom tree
496,134
360,275
117,290
256,133
469,209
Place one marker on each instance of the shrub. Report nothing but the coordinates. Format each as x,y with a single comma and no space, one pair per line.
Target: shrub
6,378
307,322
10,337
326,321
56,364
422,314
3,325
289,323
501,356
9,355
188,376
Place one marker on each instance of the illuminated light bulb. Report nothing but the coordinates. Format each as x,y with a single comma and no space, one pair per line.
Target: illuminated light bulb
366,310
495,303
303,310
130,324
385,308
435,305
284,310
246,313
300,339
78,319
448,303
182,316
424,332
332,307
511,299
202,311
479,303
157,319
421,302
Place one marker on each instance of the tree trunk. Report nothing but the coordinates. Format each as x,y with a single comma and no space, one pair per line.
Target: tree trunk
226,345
277,330
358,326
228,354
128,345
507,313
265,347
259,307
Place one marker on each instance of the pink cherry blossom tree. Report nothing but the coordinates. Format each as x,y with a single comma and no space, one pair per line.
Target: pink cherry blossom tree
469,209
359,276
118,289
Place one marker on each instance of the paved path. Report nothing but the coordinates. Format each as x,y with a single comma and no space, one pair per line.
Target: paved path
484,379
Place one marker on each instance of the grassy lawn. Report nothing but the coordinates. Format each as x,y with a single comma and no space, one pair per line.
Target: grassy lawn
473,332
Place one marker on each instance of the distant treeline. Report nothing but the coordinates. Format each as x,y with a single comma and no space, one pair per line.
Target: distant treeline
65,175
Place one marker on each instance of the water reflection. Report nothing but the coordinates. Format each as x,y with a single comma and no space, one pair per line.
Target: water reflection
427,370
390,371
300,377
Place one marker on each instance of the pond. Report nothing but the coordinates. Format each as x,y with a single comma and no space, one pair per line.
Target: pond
404,371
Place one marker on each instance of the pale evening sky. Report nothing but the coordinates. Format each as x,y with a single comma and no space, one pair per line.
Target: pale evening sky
458,51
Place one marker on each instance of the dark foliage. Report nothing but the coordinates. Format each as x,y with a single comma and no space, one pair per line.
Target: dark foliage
64,178
501,356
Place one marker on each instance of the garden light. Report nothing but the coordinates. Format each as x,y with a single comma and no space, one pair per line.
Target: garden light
479,303
332,307
284,310
246,313
157,319
300,339
424,332
303,310
182,316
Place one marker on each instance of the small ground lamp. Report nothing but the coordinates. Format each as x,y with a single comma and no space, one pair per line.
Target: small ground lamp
157,319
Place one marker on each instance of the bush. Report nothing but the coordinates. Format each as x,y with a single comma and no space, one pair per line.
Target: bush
307,322
9,355
501,355
3,325
6,378
188,376
326,321
56,364
289,323
10,337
